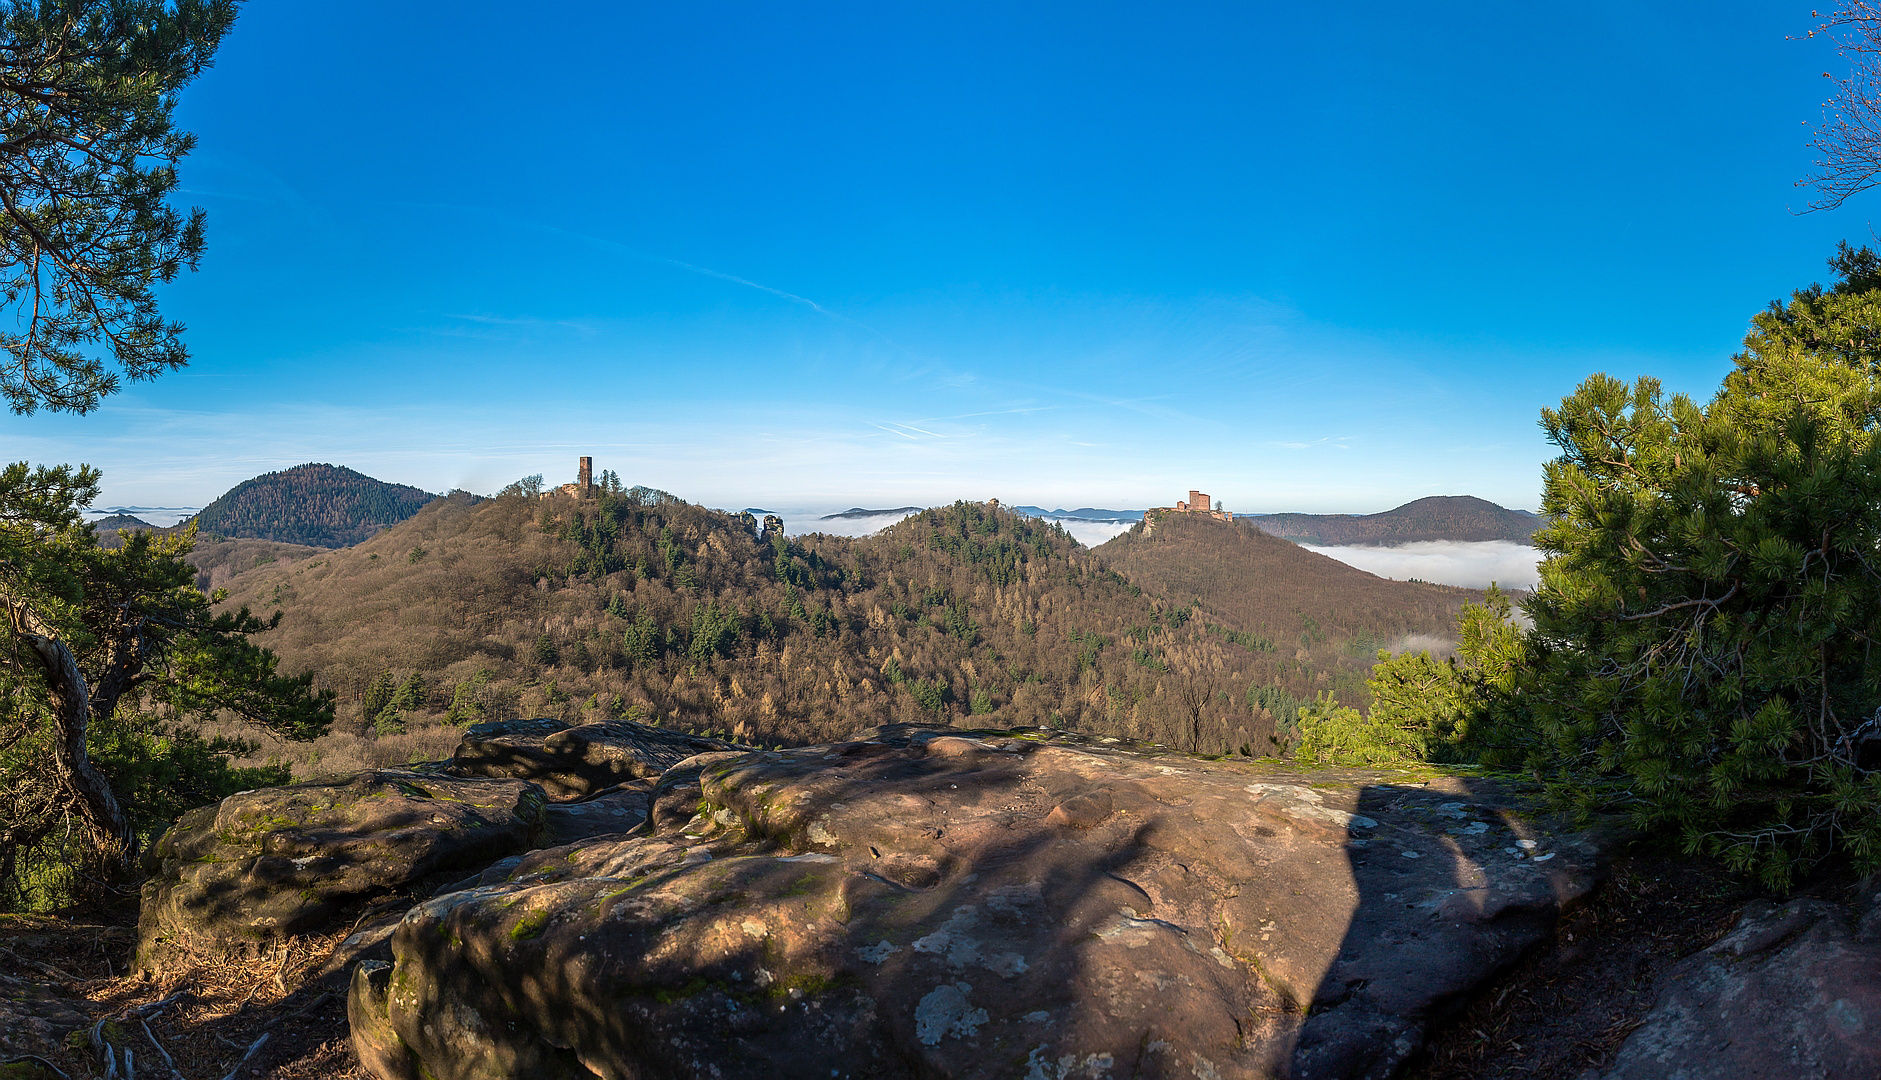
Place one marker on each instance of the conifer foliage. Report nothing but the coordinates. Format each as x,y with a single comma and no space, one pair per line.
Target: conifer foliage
1706,630
110,659
111,663
1703,650
1424,708
88,157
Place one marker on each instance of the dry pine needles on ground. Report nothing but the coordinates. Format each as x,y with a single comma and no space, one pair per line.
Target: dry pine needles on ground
265,1014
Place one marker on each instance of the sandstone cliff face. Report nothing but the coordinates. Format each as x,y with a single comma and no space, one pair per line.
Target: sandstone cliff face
277,862
930,903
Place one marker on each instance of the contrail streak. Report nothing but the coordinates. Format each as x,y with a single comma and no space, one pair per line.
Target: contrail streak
722,276
665,260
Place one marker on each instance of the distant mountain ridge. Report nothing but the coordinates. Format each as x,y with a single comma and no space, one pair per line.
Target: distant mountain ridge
317,505
1438,517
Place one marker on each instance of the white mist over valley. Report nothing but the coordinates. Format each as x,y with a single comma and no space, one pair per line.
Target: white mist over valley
1472,564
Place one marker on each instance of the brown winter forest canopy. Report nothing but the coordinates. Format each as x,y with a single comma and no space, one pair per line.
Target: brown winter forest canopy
637,603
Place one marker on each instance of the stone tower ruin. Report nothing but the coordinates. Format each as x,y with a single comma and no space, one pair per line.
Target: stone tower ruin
583,487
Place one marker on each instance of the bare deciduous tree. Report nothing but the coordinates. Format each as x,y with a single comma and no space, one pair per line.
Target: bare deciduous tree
1848,141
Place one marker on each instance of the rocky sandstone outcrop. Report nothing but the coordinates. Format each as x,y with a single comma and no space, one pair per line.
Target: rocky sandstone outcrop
288,860
1793,991
574,762
931,903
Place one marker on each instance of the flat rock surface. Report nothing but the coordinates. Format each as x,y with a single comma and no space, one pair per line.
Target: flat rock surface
278,861
933,903
1793,991
573,762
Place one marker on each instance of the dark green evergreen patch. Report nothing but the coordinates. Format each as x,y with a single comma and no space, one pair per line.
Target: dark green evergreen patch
317,505
1703,648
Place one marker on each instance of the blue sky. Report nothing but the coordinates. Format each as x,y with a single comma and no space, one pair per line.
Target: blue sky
1305,257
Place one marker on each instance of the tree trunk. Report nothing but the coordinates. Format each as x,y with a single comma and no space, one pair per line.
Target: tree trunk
127,649
71,715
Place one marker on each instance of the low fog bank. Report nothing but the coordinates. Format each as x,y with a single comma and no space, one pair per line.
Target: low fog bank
1472,564
1439,647
800,522
1093,533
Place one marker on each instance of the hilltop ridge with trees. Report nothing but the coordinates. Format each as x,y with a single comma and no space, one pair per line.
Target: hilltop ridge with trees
1437,517
636,603
316,505
1271,587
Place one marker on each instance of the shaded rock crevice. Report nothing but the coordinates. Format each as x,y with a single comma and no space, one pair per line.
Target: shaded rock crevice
572,762
1793,990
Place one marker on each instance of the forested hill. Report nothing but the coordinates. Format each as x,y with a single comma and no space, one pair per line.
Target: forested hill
113,522
1439,517
319,505
1273,588
640,604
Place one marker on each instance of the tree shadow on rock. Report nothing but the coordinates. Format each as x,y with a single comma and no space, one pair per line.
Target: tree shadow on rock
1456,880
921,904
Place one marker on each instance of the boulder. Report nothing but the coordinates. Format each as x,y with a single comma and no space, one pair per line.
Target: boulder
930,903
573,762
1793,990
288,860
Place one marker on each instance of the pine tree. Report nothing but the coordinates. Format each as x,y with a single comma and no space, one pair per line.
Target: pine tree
87,91
1706,620
1424,708
110,664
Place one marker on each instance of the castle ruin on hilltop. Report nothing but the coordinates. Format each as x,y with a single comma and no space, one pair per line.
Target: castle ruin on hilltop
583,487
1197,503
